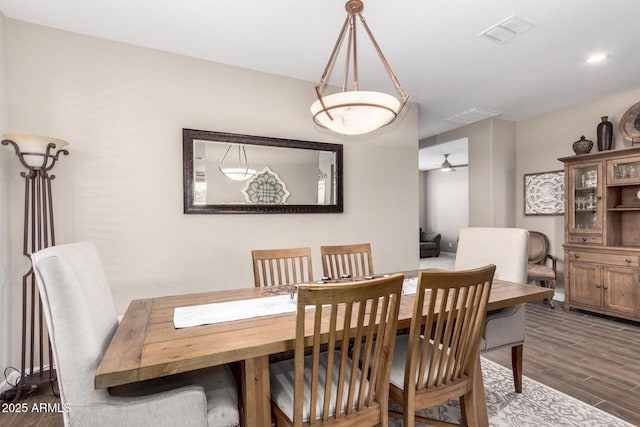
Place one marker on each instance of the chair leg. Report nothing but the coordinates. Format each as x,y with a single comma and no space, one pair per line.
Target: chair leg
516,365
463,411
475,404
409,414
552,285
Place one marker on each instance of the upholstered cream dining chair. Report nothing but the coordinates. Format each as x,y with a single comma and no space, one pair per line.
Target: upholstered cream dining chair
507,249
347,260
81,319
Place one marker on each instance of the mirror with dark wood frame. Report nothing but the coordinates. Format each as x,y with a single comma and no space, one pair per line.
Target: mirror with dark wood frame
233,173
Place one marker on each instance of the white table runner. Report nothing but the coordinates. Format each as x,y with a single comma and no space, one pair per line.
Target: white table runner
409,286
206,314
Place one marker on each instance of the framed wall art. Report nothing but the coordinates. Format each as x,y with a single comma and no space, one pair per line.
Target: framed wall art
544,193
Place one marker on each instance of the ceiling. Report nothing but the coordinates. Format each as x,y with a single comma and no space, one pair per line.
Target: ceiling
432,45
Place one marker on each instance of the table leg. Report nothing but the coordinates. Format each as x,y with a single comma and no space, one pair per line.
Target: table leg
256,392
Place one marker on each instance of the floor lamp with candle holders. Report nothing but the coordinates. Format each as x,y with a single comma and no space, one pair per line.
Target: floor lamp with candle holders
38,154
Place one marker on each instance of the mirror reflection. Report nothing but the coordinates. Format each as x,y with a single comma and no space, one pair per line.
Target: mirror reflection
231,173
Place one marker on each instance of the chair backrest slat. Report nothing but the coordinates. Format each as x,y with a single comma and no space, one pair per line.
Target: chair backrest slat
279,267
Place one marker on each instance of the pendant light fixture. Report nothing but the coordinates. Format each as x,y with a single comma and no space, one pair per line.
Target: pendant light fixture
352,111
239,171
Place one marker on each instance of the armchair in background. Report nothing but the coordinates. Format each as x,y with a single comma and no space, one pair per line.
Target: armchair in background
538,269
429,244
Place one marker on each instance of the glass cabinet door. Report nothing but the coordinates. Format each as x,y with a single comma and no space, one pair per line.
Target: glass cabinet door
586,209
624,171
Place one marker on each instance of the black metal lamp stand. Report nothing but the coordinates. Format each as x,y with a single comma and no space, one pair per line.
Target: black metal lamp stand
38,155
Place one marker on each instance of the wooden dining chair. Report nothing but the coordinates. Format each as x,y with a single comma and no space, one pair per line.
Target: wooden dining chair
278,267
327,387
428,372
352,260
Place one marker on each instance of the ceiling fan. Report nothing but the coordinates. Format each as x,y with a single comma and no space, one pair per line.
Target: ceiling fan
446,166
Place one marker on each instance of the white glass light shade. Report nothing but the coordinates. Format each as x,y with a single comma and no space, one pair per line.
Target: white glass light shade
356,112
238,174
33,147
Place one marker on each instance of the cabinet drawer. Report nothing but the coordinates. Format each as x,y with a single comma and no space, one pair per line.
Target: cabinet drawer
609,259
586,240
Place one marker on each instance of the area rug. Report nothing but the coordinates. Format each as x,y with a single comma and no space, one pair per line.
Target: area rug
537,406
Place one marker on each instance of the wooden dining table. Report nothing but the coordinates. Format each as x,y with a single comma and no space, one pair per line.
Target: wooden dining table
146,344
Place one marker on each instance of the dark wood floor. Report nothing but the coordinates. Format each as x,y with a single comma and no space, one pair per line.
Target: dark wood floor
10,416
592,358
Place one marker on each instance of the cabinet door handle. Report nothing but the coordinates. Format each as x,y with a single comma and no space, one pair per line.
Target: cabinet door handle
628,261
576,255
599,197
597,286
584,239
605,287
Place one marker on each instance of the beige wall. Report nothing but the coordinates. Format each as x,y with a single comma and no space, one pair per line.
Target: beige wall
5,258
447,205
422,199
542,140
491,170
503,158
122,108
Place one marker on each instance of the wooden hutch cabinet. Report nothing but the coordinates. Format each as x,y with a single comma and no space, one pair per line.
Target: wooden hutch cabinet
602,232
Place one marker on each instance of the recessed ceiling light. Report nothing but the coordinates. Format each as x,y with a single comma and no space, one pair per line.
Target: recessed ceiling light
597,58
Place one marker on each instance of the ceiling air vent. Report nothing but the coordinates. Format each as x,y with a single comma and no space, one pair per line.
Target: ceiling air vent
472,115
506,30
